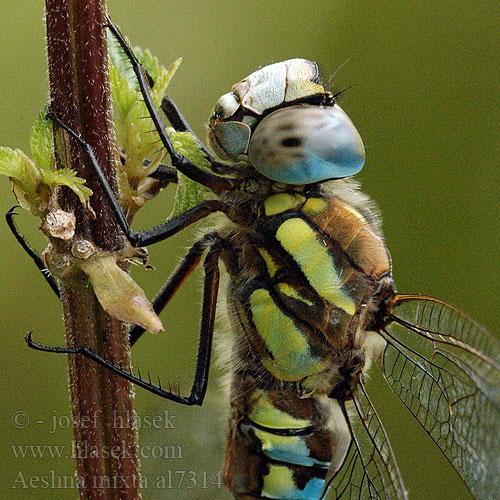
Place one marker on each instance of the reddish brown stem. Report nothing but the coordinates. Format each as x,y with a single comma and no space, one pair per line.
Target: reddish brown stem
102,407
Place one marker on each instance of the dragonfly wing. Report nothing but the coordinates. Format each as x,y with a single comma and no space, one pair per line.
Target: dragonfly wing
445,368
369,470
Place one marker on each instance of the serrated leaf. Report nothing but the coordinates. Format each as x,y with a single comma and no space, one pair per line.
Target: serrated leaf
149,62
25,177
41,141
66,177
187,145
136,133
12,162
189,193
162,81
134,129
33,186
124,96
118,58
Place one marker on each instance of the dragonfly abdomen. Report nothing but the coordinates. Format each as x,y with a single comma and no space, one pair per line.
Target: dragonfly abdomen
280,446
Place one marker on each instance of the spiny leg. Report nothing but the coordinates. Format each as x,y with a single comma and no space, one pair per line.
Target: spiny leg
180,162
164,173
176,279
180,124
159,233
211,286
172,112
9,216
176,118
171,227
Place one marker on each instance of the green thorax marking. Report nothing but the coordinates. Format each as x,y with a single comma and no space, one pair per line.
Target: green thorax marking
311,254
291,355
281,202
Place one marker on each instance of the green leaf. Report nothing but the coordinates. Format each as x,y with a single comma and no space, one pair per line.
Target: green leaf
162,81
118,58
189,193
12,162
66,177
124,100
187,145
25,178
149,62
135,131
41,141
137,136
34,182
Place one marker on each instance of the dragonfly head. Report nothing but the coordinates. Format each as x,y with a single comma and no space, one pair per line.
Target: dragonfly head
282,121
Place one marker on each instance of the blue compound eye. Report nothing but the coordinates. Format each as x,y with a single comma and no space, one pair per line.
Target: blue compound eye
306,144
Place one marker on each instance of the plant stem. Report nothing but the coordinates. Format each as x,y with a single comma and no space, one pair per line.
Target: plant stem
102,405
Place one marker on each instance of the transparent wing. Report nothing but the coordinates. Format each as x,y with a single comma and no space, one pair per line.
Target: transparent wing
369,470
445,368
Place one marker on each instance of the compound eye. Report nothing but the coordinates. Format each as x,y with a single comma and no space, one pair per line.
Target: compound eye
306,144
230,139
227,105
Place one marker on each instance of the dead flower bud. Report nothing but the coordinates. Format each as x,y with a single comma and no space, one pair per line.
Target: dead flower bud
59,224
119,294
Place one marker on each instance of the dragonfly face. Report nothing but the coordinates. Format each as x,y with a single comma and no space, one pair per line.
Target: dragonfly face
294,144
312,304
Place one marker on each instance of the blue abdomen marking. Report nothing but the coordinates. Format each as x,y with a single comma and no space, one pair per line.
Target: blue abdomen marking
279,484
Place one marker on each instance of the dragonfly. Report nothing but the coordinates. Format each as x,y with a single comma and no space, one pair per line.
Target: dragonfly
311,302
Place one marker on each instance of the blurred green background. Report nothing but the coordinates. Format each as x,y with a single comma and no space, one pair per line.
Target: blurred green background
428,111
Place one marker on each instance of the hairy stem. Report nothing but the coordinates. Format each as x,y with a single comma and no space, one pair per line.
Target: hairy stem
102,406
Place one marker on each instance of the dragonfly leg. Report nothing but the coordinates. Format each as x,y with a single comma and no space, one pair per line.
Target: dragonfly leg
176,118
159,233
180,274
164,173
214,244
9,216
180,162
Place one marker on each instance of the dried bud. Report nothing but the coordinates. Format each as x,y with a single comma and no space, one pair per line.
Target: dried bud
59,224
119,294
82,249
